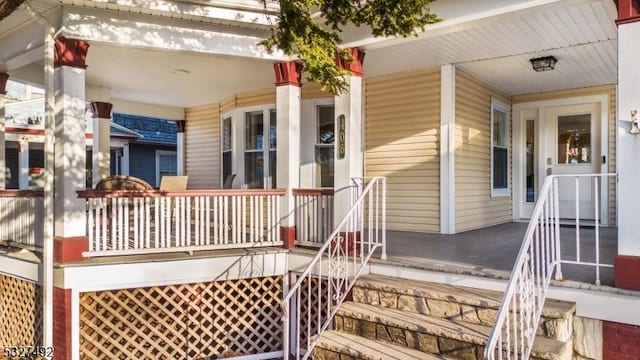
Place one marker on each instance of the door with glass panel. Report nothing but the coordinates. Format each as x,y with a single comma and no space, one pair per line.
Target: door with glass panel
573,147
529,153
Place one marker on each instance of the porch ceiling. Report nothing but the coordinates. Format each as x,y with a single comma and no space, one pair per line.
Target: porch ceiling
581,34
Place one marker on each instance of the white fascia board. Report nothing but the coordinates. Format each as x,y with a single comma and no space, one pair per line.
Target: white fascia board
454,19
16,267
129,29
156,273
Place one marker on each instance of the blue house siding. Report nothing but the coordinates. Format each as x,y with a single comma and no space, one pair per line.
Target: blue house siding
142,161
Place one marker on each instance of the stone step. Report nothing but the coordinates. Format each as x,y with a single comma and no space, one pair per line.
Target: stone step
454,338
472,305
334,345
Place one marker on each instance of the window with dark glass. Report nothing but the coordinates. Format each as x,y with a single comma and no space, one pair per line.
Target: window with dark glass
325,140
500,151
254,150
272,148
226,148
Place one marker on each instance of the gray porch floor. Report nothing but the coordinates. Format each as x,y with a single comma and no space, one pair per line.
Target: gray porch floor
495,249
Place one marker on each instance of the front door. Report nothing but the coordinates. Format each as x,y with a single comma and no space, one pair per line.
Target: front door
573,147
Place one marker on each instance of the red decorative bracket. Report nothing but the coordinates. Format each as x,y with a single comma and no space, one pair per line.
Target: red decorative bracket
288,73
3,83
180,126
628,11
101,110
70,52
356,66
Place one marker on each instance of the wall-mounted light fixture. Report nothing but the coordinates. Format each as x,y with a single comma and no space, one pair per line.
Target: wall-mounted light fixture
634,122
544,63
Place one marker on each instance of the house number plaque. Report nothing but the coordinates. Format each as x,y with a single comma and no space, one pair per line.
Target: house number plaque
342,136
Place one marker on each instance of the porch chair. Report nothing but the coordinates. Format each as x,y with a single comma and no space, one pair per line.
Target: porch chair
228,182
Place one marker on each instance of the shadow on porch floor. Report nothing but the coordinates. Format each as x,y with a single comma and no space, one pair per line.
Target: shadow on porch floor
492,251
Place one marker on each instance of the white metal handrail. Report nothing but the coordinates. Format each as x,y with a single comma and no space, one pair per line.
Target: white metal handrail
139,222
337,265
539,259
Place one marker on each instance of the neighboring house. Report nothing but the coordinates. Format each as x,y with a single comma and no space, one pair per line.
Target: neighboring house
464,122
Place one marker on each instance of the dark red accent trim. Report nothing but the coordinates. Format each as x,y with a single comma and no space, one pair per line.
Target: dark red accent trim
4,77
181,126
21,193
620,341
88,194
627,272
628,11
356,65
62,323
101,110
70,52
316,192
69,249
288,73
288,237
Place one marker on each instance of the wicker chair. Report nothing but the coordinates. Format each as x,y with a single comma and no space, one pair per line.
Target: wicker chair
121,182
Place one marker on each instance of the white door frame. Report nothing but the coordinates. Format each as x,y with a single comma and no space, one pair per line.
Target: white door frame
522,111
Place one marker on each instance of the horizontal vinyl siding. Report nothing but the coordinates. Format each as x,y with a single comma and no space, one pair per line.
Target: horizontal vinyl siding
314,91
202,138
255,98
402,143
595,90
475,208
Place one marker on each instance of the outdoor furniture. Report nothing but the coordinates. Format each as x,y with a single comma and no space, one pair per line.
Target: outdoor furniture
228,182
173,183
121,182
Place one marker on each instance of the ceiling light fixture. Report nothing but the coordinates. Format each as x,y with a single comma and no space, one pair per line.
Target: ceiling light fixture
544,63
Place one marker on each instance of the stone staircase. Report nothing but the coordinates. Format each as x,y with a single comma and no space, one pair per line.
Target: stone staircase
392,318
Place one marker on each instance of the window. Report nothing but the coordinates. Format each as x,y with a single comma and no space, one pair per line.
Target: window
226,148
325,140
166,164
499,149
260,149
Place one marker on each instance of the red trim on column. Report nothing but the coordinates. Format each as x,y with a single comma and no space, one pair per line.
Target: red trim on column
620,341
628,11
356,66
101,110
69,249
180,126
3,83
70,52
62,323
288,236
627,272
288,73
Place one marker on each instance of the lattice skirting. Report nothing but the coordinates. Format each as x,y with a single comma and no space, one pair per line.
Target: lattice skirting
189,321
20,312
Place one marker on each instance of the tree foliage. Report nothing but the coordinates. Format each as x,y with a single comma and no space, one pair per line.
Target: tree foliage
315,39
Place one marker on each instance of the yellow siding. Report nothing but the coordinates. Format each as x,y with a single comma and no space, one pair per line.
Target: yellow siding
475,208
313,91
255,98
595,90
227,105
202,138
402,143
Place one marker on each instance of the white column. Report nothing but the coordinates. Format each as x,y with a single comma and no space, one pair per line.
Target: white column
125,159
447,149
350,165
70,151
628,145
180,147
3,81
101,151
23,164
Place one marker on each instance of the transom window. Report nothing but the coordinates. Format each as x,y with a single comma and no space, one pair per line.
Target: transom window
500,143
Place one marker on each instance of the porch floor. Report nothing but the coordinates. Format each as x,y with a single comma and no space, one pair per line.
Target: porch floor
492,251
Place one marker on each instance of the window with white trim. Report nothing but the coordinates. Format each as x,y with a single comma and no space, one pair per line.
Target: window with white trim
227,151
260,149
325,145
500,142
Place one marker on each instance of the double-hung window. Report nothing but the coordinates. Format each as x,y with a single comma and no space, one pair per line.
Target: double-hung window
260,149
500,143
227,151
325,145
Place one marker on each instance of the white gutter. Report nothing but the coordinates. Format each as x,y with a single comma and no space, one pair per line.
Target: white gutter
49,125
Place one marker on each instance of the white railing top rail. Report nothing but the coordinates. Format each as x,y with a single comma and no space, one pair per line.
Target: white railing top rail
545,217
91,194
333,247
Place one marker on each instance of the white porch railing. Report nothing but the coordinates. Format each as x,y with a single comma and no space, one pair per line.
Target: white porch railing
140,222
337,265
21,214
539,259
314,215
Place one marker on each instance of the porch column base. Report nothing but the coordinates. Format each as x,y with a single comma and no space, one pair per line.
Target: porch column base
626,272
69,249
62,323
288,236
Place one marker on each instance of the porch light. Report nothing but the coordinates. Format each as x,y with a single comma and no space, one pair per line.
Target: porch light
544,63
634,123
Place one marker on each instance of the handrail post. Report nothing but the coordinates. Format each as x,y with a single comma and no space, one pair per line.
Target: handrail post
384,219
556,205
